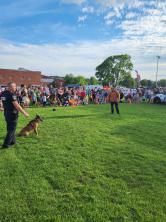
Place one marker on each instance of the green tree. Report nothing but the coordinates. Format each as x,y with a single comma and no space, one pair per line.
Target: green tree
114,69
147,83
144,82
69,79
162,83
80,80
128,81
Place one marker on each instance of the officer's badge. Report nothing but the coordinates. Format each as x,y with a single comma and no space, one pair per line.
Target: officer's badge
3,98
14,97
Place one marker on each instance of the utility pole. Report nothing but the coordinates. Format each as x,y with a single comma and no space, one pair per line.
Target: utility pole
158,57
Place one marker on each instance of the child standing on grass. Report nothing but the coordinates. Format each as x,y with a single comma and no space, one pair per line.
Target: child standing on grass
44,99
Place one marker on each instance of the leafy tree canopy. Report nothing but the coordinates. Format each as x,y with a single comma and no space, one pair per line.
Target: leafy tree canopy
114,69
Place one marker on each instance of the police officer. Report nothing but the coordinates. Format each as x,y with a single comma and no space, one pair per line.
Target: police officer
11,108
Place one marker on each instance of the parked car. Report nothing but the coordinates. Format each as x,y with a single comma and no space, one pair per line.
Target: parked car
159,98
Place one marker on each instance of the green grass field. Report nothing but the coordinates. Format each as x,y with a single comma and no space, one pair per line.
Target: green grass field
87,165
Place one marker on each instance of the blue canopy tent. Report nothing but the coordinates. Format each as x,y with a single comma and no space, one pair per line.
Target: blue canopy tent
72,85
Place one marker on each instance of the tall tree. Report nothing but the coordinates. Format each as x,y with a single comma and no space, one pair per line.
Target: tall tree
114,69
93,81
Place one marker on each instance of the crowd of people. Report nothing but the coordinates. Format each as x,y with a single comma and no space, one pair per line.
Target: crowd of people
140,94
51,96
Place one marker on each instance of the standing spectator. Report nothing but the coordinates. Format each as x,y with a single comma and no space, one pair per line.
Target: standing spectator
83,96
114,98
105,95
34,97
121,96
44,100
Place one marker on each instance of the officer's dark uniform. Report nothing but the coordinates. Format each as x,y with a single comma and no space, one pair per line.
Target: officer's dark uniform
11,117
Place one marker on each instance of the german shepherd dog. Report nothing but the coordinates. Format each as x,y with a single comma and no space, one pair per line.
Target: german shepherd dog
31,127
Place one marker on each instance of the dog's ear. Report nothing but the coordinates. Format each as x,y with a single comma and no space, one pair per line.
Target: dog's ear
39,117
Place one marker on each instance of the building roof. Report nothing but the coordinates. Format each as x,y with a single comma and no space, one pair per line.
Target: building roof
52,77
19,70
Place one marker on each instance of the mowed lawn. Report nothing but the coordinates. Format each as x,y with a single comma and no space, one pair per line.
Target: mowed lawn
87,165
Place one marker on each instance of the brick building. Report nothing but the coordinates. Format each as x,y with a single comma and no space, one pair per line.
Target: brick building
28,78
20,76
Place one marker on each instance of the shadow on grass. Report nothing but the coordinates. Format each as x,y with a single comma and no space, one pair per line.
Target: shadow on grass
143,133
68,117
105,115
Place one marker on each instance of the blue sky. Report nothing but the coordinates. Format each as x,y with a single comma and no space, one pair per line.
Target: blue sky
74,36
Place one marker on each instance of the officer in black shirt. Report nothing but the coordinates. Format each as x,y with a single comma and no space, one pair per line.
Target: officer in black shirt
8,100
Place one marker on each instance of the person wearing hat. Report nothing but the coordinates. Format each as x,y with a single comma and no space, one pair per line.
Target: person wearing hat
114,98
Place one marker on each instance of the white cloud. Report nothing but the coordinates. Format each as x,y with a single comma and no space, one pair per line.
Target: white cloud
152,12
88,9
131,15
120,4
149,25
136,3
73,1
109,15
112,3
117,12
109,22
82,57
82,18
109,18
